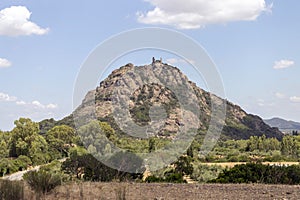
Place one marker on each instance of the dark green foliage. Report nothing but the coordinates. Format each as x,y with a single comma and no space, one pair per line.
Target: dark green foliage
48,124
174,178
169,177
60,138
153,179
295,133
184,165
126,162
152,146
25,140
7,166
22,162
42,181
4,144
259,173
11,190
94,170
140,115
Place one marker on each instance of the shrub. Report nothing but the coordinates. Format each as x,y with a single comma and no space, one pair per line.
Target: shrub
11,190
42,181
22,162
7,166
258,173
203,173
169,177
174,178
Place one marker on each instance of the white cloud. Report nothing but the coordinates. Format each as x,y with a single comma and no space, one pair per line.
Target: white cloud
6,97
15,21
173,61
21,103
295,99
39,105
192,14
282,64
4,63
51,106
34,104
263,103
279,95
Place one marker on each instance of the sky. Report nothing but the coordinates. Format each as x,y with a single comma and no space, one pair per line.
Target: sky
254,43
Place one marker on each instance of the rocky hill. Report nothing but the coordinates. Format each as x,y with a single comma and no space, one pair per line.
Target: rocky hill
148,95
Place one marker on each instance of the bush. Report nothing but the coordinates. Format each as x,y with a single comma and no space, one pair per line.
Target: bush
42,181
169,177
11,190
259,173
153,179
7,166
174,178
22,162
203,173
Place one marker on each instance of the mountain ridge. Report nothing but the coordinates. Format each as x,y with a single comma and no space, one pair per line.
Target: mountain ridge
282,124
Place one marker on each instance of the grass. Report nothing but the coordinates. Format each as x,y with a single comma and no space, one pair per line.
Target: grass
11,190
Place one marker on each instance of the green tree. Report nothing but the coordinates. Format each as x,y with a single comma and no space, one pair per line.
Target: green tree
184,165
289,146
4,151
7,166
25,140
152,146
23,135
22,162
60,138
4,144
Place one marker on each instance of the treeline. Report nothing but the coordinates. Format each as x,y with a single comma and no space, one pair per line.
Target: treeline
256,149
259,173
24,146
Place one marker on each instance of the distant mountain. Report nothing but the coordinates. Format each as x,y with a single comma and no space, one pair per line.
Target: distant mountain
238,123
283,125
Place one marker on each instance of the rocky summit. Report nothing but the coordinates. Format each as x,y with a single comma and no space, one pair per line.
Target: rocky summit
158,99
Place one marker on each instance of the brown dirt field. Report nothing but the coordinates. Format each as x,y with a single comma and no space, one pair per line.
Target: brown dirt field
143,191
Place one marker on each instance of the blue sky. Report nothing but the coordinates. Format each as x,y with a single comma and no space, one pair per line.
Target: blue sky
254,43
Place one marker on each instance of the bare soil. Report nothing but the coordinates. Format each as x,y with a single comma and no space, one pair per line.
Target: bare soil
158,191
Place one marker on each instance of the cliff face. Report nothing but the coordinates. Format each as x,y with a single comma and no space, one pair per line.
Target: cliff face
150,97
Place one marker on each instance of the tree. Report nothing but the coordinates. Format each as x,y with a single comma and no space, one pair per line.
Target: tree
184,165
60,138
7,166
152,146
23,135
93,170
4,151
289,146
22,162
25,140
